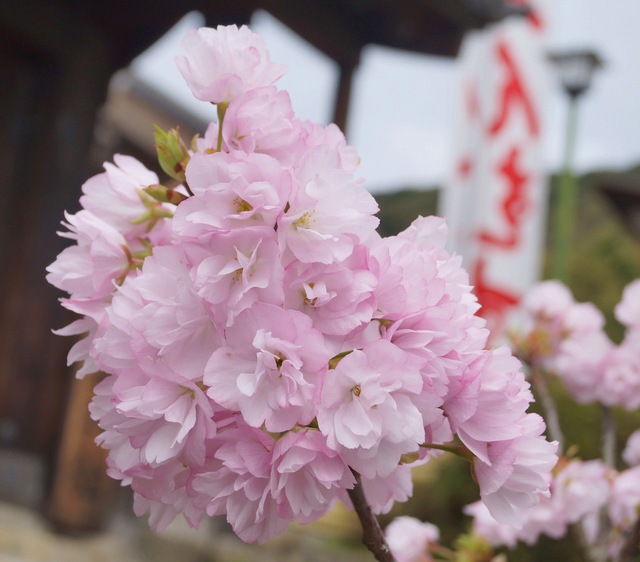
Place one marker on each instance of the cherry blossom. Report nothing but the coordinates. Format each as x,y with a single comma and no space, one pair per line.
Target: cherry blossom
262,121
631,452
117,196
409,539
366,411
625,498
307,476
384,491
271,368
236,482
225,62
233,190
338,297
236,269
314,228
99,259
628,310
266,352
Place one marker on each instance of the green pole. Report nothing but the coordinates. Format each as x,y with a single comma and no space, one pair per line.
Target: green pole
566,201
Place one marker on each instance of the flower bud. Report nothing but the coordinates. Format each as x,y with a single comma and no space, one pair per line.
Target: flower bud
165,194
172,152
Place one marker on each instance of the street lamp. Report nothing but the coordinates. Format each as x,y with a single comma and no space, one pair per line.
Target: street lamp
576,70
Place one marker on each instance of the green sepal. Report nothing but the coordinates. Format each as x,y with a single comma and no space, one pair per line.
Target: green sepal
408,458
152,217
333,362
474,548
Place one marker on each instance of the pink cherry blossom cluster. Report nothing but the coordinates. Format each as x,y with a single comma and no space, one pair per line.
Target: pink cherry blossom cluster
593,497
602,502
598,499
567,338
263,346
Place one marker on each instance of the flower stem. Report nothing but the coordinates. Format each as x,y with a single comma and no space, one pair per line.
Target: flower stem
539,381
608,436
372,535
458,450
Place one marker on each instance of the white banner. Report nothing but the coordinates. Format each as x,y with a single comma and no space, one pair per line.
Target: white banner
496,199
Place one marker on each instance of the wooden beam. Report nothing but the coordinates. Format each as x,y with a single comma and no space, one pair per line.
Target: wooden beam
343,97
326,29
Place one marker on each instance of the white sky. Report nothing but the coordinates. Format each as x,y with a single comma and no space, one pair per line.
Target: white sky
401,112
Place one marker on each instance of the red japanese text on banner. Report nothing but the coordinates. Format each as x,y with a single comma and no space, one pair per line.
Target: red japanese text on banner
496,198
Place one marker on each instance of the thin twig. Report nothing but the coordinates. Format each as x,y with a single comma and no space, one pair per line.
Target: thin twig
372,535
608,436
541,388
631,547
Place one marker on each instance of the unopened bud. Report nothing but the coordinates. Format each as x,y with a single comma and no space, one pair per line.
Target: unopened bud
173,154
165,194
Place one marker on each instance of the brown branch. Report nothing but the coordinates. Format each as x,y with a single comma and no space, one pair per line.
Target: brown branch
631,547
372,535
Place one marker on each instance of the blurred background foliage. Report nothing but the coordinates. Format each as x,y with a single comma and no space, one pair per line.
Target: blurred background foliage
605,258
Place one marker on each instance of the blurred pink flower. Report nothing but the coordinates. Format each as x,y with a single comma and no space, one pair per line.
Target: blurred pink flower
409,539
621,376
628,309
581,488
548,301
624,502
383,491
631,452
581,362
486,526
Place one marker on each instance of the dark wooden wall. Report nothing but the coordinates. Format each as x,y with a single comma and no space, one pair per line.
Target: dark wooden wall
56,59
49,92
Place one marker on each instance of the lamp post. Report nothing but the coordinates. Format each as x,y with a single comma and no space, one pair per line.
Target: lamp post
576,69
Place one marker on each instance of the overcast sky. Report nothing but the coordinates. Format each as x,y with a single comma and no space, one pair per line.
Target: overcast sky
401,113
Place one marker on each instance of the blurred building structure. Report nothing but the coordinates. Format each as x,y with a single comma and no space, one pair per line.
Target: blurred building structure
57,58
623,192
